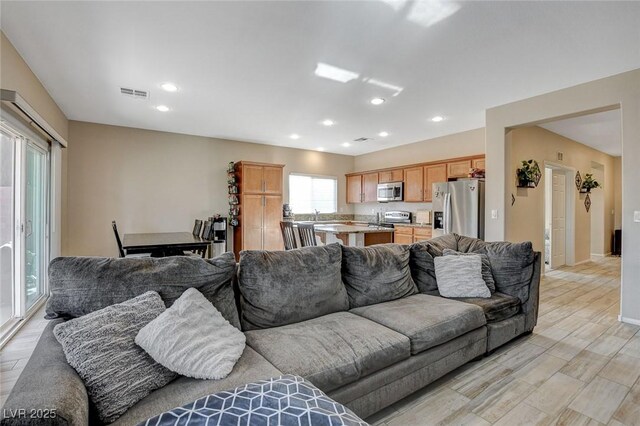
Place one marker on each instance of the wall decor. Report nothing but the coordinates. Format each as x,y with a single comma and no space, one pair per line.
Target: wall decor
513,200
528,174
233,190
587,202
578,181
589,183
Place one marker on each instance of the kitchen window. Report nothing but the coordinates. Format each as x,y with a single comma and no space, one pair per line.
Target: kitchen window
308,193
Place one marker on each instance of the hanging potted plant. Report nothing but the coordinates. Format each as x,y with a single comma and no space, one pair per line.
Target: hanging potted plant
589,183
529,174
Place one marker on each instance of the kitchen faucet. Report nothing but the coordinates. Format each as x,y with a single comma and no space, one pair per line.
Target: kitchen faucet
317,212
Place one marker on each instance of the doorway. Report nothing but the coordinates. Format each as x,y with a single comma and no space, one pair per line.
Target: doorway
558,229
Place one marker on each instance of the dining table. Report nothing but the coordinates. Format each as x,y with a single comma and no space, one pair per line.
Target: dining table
161,244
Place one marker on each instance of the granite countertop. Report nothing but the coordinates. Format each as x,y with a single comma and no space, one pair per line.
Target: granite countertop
415,225
350,229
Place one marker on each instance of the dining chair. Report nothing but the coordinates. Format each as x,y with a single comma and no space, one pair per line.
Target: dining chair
121,251
307,234
206,230
197,227
288,235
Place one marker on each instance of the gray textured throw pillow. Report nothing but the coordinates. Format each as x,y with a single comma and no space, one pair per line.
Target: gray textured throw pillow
460,276
80,285
376,274
284,287
100,346
487,276
193,339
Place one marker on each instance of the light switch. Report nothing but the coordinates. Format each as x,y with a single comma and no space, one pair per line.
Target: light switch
636,216
494,214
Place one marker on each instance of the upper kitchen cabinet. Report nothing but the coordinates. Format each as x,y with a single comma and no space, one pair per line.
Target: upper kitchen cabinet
414,184
259,178
478,163
433,174
389,176
354,189
362,188
458,169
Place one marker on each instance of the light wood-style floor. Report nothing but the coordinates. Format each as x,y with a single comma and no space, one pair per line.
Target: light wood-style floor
579,367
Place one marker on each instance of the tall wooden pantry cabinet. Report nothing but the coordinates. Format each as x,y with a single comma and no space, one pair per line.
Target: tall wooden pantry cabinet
259,208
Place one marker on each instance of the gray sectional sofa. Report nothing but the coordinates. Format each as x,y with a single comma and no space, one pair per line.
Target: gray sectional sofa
365,325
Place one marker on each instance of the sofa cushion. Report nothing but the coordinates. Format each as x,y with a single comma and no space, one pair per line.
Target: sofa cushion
498,307
100,347
427,321
487,276
421,261
376,274
80,285
250,367
193,339
285,287
460,276
332,350
512,266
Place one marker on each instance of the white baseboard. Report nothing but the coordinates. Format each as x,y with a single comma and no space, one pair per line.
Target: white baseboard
595,256
629,320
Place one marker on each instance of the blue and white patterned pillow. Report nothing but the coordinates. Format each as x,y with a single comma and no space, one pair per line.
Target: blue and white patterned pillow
286,400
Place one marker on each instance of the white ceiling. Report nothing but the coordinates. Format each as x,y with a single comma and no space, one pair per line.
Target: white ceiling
601,131
246,69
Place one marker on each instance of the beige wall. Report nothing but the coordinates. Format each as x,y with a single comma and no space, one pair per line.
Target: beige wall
156,181
16,75
623,91
456,145
525,220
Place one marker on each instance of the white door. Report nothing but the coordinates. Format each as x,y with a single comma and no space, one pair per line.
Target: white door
558,220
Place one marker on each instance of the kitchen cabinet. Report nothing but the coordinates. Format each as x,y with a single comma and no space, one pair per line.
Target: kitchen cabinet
433,174
478,163
413,184
259,207
458,168
354,189
362,188
370,187
388,176
411,234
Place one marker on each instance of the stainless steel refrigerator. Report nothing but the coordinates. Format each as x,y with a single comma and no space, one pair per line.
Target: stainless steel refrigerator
458,208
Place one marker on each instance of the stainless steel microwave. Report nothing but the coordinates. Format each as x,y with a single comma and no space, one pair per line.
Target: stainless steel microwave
390,192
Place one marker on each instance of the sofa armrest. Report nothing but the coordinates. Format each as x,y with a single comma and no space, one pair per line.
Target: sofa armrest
530,308
49,391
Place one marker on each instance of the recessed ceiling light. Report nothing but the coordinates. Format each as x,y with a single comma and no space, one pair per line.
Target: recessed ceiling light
328,122
169,87
335,73
320,148
437,119
377,101
383,134
294,136
162,108
346,144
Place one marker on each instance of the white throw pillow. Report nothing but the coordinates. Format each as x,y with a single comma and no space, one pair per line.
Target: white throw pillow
460,276
193,339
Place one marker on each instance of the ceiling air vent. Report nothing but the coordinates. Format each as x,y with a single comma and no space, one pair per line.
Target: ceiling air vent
135,93
361,139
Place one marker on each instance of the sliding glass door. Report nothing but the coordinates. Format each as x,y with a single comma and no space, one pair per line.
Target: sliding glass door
35,223
7,243
24,224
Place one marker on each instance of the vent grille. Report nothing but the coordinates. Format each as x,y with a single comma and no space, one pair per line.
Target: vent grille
135,93
361,139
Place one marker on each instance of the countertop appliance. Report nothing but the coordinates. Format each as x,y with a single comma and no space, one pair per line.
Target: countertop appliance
390,192
458,207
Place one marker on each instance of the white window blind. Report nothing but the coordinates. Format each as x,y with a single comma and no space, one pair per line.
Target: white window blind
309,193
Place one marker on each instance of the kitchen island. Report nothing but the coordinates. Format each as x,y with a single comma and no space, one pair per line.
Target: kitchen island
354,235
